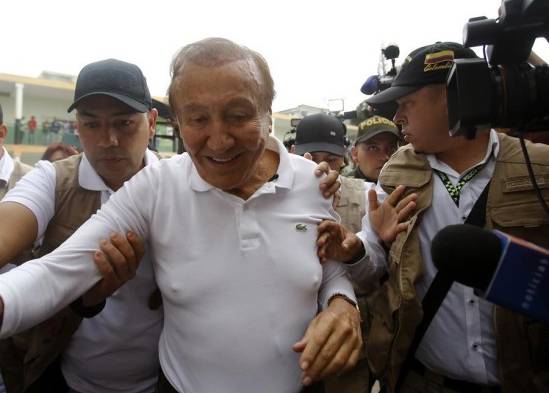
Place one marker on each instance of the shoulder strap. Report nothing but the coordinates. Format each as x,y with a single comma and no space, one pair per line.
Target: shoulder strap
477,216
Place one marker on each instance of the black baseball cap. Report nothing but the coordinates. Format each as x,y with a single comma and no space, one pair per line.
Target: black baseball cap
114,78
320,132
427,65
373,126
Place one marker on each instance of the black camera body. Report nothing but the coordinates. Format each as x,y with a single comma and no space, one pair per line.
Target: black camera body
504,90
377,83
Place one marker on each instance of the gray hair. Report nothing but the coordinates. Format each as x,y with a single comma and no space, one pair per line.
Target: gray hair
214,52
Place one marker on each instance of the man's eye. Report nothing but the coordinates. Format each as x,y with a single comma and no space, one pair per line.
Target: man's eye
372,148
198,119
91,124
238,117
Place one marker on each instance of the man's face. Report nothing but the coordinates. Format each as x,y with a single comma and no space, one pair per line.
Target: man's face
424,118
114,137
334,161
371,155
222,124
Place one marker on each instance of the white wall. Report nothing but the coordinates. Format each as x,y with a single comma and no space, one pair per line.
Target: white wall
40,107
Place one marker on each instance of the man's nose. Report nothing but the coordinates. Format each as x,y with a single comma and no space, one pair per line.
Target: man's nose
220,138
109,137
398,118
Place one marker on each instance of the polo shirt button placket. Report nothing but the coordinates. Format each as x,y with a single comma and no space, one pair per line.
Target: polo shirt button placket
248,230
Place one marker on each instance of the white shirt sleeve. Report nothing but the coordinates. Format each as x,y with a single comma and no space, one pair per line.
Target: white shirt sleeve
374,263
39,288
334,281
36,191
334,276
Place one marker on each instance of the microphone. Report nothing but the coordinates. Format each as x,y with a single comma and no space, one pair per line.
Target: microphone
371,85
509,271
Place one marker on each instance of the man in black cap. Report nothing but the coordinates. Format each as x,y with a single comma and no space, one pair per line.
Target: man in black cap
323,137
470,345
117,349
376,141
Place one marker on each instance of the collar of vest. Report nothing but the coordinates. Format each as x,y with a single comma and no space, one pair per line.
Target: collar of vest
358,174
406,168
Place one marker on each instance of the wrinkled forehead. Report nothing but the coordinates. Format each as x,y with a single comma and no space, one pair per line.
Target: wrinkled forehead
239,76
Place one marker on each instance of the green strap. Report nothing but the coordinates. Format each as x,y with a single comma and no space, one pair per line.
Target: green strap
455,191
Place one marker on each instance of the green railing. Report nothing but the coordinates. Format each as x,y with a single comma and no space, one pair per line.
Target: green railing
41,138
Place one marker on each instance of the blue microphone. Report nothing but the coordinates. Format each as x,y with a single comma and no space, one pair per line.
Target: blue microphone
511,272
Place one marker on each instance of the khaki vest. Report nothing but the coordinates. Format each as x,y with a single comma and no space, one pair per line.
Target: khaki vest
24,357
512,206
19,170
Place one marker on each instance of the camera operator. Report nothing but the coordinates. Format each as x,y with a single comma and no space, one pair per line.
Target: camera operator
471,345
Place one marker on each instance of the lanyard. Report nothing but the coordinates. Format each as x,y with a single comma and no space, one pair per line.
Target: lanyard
455,191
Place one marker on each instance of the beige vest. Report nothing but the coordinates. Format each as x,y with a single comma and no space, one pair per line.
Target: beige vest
512,206
19,170
24,357
351,207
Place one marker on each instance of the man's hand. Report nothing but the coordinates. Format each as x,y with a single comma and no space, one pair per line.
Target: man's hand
117,261
332,342
337,243
388,219
329,186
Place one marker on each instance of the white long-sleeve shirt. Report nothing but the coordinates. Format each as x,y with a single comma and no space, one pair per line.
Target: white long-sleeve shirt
240,280
460,341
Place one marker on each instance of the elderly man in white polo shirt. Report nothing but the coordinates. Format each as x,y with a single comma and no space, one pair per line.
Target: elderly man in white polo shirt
231,228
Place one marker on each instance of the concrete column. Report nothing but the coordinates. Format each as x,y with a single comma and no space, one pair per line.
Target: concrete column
19,100
18,112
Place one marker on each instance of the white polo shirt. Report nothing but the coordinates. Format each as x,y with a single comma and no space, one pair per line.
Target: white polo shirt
240,280
117,350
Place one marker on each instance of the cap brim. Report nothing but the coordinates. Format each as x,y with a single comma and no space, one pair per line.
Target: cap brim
364,138
138,106
391,94
313,147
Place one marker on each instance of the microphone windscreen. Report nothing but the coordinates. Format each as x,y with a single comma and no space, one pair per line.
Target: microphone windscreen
467,253
371,85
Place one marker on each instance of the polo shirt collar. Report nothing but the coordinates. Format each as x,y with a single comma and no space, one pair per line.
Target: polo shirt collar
285,170
89,179
6,167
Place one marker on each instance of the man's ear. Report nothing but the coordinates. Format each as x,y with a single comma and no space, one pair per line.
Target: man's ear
152,117
3,132
354,154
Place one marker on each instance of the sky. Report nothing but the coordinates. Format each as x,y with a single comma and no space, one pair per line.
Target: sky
320,52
